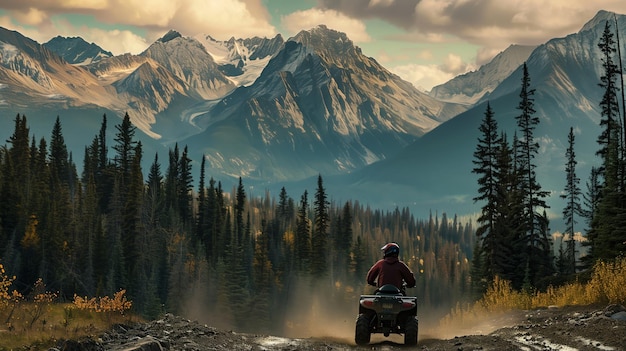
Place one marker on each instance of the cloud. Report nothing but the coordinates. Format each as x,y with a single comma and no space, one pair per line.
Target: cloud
307,19
116,41
490,24
454,65
423,77
31,16
221,19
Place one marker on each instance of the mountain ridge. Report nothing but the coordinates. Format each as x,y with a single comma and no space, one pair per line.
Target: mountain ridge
345,117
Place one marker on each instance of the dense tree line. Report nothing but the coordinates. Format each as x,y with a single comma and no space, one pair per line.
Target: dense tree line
168,239
513,229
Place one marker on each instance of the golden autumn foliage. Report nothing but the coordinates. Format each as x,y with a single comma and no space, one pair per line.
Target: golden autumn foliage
606,286
39,318
118,303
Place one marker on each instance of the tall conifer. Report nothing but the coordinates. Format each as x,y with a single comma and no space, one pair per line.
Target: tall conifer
573,208
533,197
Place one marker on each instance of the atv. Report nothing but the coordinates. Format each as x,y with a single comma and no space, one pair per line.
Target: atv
387,311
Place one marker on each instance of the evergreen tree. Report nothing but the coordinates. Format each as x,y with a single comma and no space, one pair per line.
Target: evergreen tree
538,256
240,200
591,200
15,167
605,236
201,217
302,243
89,228
509,255
320,231
572,208
59,164
172,183
485,161
104,174
124,149
133,210
285,210
185,187
154,193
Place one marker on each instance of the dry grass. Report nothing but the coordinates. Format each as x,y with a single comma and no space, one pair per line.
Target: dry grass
61,321
606,286
38,321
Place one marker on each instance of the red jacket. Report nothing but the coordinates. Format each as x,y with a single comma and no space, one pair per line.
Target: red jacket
390,270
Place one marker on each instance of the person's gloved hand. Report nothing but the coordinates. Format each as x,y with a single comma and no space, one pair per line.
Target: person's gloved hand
372,283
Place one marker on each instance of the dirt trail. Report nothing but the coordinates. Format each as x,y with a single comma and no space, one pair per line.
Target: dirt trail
551,329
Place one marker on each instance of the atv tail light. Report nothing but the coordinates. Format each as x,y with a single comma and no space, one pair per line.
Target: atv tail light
367,303
408,304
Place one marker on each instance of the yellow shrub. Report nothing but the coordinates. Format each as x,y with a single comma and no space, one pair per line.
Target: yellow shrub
607,285
608,282
118,303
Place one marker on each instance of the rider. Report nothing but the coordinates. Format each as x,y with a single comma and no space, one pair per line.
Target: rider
390,270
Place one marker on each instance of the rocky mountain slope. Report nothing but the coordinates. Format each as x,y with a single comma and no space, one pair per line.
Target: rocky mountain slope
319,106
434,173
264,109
76,50
472,87
242,60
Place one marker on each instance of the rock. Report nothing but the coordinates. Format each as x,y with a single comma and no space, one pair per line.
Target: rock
613,309
620,316
145,344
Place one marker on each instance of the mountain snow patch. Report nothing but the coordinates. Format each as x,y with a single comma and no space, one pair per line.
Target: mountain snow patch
8,52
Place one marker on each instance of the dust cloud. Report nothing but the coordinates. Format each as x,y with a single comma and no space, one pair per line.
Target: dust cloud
321,311
325,311
445,329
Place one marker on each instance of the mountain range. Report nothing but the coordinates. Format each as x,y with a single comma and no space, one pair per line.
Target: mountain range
281,112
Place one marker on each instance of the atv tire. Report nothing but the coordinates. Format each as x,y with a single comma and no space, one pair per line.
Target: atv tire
362,333
410,334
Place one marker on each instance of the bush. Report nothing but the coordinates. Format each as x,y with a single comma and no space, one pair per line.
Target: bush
606,286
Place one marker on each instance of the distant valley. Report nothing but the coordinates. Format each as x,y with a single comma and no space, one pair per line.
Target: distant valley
278,112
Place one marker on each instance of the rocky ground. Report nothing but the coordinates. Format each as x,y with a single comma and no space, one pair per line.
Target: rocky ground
558,329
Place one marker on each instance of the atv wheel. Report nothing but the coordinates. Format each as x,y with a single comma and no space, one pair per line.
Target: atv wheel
410,334
362,332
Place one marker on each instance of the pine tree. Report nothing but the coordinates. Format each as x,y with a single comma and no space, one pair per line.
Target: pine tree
509,257
133,210
172,184
14,168
320,231
533,196
59,164
240,200
591,200
302,243
124,148
104,174
605,236
485,161
201,217
185,187
572,194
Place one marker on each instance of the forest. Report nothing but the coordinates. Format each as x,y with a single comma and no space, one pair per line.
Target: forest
267,263
514,241
180,246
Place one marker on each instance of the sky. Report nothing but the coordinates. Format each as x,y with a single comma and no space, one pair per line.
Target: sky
426,42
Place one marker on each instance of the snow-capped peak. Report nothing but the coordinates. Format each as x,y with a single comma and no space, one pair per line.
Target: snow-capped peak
242,60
